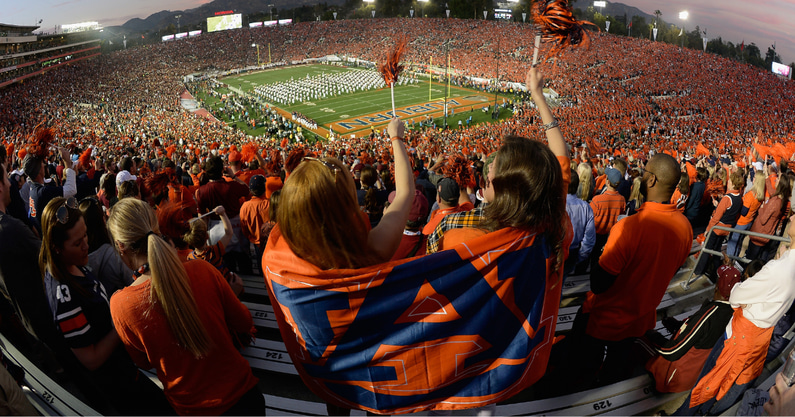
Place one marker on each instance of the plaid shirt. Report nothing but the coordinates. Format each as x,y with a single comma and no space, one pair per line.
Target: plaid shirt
459,220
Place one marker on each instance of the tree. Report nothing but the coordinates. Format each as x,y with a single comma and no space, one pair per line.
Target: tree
752,51
470,9
771,56
639,27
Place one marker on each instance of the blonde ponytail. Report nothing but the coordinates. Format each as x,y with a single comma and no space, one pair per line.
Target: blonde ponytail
134,223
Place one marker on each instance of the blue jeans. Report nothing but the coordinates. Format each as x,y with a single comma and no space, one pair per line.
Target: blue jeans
714,242
734,245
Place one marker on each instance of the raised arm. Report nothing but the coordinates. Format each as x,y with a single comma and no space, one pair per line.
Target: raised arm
227,237
554,136
385,237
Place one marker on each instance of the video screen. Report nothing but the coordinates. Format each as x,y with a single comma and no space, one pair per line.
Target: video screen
230,21
783,70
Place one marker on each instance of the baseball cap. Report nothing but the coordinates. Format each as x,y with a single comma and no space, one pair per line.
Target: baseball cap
257,185
448,189
613,175
419,207
124,176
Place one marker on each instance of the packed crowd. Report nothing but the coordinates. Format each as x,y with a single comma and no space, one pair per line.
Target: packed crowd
656,152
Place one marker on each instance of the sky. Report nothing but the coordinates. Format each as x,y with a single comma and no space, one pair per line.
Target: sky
760,21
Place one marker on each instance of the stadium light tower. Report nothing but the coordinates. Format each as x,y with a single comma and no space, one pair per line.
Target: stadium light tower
683,15
177,17
270,9
422,7
601,5
256,45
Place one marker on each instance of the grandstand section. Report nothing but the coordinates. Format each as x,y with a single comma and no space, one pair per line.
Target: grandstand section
26,55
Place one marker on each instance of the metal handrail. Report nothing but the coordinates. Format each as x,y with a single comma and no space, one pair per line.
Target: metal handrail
686,283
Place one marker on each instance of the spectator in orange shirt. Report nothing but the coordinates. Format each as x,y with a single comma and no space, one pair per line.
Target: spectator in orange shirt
448,196
641,256
606,209
608,205
679,199
752,200
254,213
726,214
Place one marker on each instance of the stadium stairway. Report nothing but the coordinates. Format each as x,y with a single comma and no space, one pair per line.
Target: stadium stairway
285,393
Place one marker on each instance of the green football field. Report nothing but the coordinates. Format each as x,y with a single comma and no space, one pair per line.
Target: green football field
371,104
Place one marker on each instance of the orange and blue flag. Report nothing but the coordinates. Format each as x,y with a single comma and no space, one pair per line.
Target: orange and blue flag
457,329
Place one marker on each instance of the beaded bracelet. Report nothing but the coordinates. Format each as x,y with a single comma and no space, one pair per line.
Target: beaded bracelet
551,125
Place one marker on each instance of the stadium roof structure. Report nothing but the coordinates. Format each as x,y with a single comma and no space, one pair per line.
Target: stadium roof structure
15,29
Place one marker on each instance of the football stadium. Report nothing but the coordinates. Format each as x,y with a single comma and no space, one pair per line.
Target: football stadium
413,210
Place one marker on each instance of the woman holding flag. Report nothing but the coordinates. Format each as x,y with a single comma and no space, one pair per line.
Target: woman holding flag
525,187
463,328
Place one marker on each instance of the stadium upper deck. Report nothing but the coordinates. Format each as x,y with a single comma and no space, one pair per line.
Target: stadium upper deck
25,54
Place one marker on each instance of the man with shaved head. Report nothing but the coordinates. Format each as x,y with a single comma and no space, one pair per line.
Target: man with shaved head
642,254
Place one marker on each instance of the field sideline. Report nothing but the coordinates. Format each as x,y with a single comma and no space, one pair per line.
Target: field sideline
357,112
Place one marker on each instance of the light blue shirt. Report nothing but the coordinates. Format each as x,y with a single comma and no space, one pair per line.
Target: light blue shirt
581,217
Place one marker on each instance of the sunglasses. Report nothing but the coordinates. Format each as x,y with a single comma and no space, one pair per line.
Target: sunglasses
62,214
328,165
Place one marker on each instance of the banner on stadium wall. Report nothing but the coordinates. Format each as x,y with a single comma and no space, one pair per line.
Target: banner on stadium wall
607,26
705,43
654,31
255,24
448,12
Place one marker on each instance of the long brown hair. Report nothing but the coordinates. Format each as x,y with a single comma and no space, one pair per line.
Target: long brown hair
134,223
528,192
54,234
320,218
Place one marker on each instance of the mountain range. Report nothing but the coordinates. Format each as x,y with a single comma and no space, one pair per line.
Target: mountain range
198,15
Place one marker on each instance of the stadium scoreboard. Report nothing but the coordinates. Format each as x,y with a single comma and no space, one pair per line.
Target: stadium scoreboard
226,22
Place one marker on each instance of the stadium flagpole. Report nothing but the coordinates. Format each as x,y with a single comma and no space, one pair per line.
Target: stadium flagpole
496,112
448,74
430,78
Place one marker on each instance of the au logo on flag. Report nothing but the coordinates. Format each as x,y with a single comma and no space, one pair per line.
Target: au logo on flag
456,329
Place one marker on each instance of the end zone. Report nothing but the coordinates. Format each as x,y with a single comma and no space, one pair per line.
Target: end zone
354,124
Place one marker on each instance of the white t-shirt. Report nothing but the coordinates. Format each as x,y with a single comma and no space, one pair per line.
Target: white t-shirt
768,294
